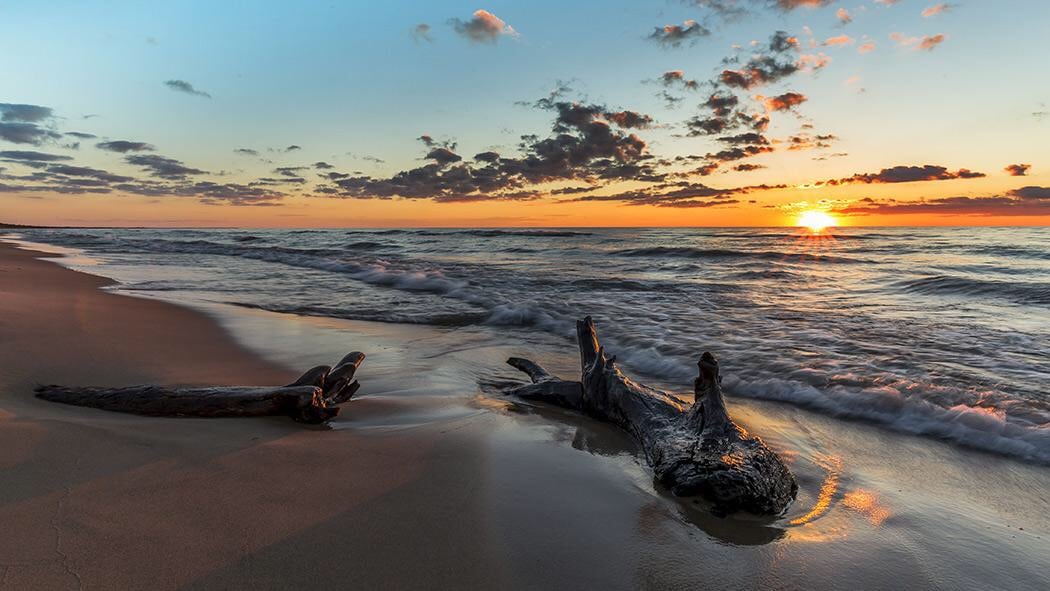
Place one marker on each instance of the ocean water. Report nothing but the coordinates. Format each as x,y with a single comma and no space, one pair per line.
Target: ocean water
941,332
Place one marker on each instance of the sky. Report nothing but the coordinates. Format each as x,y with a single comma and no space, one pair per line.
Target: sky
540,113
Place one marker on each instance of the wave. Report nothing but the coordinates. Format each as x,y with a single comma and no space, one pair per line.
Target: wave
481,232
691,252
903,409
1019,292
1012,252
371,314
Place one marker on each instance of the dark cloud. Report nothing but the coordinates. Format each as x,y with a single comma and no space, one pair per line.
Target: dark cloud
246,151
1018,169
806,141
323,166
675,35
588,142
124,146
783,102
746,167
26,133
30,156
677,194
735,9
162,167
443,156
775,62
1027,201
907,174
482,27
81,135
84,171
421,32
677,78
293,148
185,87
15,112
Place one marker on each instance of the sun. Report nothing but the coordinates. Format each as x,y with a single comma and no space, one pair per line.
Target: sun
816,220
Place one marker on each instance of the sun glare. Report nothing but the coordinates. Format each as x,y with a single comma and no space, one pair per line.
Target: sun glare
817,221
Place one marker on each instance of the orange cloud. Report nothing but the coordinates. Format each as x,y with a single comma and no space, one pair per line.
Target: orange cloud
936,9
839,40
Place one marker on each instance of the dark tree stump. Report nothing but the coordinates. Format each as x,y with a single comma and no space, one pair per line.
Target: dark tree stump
694,450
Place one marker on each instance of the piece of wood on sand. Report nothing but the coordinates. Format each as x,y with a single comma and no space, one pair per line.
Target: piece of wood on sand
694,449
313,398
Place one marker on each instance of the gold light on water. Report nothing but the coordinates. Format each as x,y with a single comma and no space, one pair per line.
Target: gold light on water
816,220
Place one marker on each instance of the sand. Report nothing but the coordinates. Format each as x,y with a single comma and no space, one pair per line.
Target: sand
426,482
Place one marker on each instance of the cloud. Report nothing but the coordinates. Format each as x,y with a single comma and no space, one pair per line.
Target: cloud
26,133
677,78
770,64
1018,169
15,112
675,35
926,43
162,167
793,4
844,16
185,87
124,146
27,156
866,47
907,174
421,32
786,101
679,194
588,142
1025,201
292,148
747,167
805,141
839,40
937,9
734,9
81,135
483,27
246,151
84,171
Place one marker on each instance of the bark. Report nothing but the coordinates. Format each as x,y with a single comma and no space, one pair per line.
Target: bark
694,449
313,398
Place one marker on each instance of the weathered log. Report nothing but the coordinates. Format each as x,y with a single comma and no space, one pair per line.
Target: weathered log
694,450
313,398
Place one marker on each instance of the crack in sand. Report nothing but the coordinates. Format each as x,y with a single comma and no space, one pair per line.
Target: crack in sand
59,506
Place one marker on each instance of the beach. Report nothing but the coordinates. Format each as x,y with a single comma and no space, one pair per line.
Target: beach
428,479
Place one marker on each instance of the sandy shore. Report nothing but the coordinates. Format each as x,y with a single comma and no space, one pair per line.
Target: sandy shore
104,501
425,483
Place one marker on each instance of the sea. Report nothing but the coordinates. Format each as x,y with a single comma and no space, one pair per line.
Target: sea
936,332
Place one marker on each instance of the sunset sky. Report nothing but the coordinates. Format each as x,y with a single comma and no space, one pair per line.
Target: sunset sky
510,113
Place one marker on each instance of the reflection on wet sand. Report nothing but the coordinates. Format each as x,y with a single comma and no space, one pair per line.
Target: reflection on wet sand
600,439
833,467
867,503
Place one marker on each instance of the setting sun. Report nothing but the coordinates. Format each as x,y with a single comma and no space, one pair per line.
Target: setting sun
816,220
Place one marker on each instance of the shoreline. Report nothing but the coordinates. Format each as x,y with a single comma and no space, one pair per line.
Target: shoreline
475,490
106,500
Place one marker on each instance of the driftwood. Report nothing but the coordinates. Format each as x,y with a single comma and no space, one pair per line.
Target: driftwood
313,398
695,450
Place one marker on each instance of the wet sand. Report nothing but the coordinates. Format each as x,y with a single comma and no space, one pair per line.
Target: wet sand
428,482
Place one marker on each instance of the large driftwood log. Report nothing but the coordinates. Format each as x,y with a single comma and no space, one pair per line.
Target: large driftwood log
695,450
313,398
